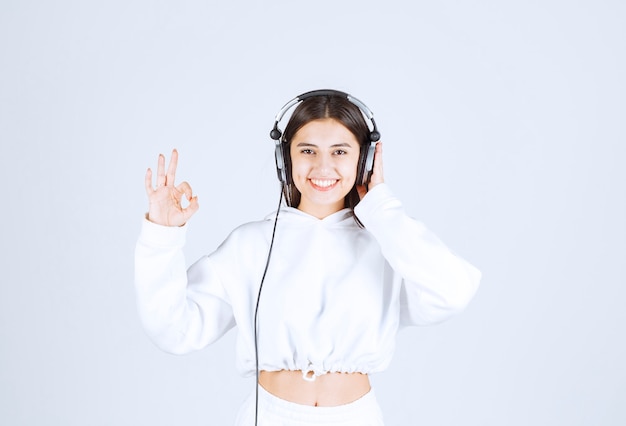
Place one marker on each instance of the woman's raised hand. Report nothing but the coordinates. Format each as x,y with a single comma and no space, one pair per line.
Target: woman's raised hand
165,200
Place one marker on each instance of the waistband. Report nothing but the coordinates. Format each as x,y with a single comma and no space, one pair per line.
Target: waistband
363,411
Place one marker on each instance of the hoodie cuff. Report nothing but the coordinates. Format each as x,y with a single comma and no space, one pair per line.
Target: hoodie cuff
377,198
156,235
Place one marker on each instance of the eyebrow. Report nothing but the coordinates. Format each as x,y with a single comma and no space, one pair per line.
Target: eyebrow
337,145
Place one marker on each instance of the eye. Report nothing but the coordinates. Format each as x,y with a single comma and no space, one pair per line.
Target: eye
340,152
307,151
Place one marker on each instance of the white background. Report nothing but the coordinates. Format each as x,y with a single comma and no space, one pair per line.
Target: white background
504,130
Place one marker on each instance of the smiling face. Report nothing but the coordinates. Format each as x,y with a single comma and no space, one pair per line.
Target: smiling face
324,158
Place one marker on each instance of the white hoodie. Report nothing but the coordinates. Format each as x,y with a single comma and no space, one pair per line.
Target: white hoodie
334,296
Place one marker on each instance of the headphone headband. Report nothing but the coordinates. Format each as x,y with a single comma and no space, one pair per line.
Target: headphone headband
276,133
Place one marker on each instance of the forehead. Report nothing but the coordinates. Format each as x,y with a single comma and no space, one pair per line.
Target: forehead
325,131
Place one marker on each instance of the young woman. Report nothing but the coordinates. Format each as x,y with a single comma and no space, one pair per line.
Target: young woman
348,268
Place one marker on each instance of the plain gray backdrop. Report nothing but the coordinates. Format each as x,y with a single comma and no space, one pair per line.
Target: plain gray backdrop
504,130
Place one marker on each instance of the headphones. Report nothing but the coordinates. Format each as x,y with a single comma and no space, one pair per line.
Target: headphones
366,156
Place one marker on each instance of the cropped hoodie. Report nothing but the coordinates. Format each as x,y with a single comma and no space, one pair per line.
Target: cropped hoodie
334,296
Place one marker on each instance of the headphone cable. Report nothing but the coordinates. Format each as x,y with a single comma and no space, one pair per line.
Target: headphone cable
256,311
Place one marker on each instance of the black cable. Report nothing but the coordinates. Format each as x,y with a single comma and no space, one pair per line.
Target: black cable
256,311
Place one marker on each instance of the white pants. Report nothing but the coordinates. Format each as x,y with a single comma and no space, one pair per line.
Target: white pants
274,411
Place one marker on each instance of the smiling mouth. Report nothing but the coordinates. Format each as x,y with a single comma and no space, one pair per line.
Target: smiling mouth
323,184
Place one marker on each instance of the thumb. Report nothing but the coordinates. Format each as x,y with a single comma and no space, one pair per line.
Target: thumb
361,190
191,209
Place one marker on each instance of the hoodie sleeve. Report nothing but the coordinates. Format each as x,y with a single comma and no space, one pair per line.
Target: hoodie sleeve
436,284
181,310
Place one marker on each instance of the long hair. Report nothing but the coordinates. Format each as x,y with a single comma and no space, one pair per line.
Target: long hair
316,108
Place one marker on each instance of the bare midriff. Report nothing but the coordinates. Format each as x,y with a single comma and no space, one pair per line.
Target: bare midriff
327,390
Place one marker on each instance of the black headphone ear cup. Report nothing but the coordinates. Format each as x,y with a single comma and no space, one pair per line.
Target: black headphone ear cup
281,162
366,164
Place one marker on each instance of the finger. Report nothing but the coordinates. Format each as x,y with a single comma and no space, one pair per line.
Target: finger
185,188
191,208
160,181
171,169
148,182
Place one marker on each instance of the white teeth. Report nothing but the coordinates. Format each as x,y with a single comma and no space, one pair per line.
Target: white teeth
323,183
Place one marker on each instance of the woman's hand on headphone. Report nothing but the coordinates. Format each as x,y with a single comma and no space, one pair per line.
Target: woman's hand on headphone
377,172
165,200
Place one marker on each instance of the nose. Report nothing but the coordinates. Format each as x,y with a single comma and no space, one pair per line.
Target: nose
324,163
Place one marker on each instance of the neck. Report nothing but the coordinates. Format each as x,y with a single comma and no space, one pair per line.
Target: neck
322,211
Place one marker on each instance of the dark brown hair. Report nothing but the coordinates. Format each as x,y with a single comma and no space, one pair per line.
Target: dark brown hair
316,108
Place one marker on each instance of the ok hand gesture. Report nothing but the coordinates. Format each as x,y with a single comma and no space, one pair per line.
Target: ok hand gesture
165,201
